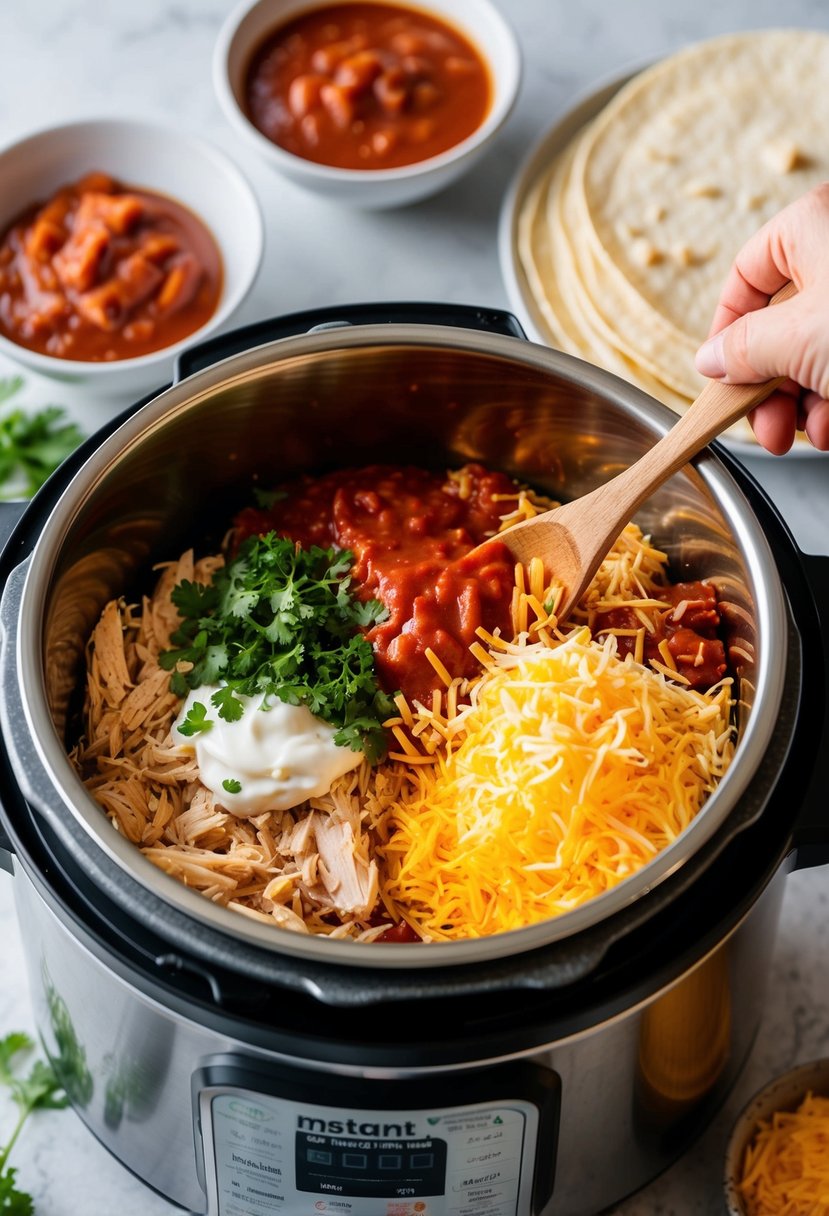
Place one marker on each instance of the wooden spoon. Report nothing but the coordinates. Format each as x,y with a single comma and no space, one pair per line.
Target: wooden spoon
572,540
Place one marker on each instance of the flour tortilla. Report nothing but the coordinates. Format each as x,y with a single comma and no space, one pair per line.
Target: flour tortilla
548,265
626,239
607,312
704,137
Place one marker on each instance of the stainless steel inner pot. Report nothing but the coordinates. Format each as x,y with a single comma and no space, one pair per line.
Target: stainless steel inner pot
179,467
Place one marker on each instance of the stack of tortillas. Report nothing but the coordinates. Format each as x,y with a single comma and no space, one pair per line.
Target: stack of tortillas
625,240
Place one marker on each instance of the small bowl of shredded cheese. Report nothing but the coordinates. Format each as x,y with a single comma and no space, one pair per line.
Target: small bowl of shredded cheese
777,1160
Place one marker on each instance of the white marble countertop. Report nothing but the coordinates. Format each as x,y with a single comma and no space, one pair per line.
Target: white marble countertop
65,59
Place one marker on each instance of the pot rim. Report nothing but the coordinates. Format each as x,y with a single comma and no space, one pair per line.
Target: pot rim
74,799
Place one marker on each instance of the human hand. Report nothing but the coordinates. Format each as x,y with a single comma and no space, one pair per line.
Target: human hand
748,342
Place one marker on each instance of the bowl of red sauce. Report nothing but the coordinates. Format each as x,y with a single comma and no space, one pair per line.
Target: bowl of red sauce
121,242
374,103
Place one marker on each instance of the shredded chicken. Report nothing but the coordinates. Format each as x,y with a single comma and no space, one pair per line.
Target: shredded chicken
308,869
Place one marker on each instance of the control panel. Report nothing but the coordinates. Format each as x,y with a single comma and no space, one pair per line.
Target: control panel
268,1153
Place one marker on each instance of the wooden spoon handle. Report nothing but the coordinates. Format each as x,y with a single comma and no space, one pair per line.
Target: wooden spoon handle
716,408
572,540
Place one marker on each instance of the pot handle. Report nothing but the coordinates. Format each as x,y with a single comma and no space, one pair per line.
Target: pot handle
810,837
461,316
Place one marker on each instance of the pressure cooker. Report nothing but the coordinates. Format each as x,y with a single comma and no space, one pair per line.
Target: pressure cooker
550,1071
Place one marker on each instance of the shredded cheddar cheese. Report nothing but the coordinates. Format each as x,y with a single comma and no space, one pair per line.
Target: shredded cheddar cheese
786,1165
568,770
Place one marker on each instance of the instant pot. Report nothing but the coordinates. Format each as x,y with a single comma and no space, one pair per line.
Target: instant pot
546,1072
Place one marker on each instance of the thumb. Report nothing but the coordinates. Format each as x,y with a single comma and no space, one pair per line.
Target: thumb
760,345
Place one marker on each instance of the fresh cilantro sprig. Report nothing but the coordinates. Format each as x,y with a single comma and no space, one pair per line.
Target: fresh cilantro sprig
32,445
39,1090
196,720
282,621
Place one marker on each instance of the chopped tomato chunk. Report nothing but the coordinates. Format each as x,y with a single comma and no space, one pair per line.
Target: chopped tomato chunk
100,271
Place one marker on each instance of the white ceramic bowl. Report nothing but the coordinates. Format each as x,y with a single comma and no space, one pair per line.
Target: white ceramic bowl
479,20
159,159
785,1092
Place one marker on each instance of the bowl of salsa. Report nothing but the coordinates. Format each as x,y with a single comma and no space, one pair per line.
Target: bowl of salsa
373,103
121,242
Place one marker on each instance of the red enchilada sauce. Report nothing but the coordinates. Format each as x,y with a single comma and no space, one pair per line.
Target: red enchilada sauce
367,86
103,272
411,532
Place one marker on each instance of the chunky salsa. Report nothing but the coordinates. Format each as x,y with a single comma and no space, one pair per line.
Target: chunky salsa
104,271
412,532
367,86
688,628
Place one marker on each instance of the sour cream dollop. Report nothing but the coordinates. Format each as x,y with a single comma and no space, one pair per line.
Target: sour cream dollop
280,756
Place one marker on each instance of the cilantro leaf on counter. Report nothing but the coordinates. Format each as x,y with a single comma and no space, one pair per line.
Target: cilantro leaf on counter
12,1201
39,1090
32,445
283,621
11,1046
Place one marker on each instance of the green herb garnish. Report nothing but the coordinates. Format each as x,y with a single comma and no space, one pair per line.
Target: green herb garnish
232,786
32,445
229,706
40,1090
195,720
282,621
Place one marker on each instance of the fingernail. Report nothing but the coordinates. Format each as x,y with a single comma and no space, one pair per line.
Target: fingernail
710,358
